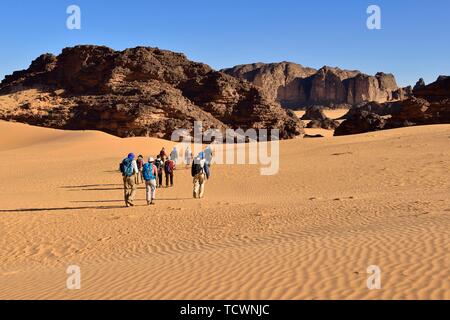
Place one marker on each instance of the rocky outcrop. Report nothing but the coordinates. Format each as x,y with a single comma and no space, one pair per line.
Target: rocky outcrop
314,113
419,84
361,122
436,91
328,124
318,119
430,105
295,86
139,92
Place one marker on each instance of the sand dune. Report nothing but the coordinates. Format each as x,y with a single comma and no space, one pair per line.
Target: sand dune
337,206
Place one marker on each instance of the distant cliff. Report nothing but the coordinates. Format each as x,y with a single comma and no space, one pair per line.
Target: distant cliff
295,86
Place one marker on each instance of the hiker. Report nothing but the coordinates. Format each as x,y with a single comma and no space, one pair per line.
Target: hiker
140,165
159,163
162,153
187,156
208,155
169,167
149,173
174,155
200,173
129,169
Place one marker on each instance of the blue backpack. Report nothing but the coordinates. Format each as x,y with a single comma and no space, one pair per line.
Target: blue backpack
147,172
127,167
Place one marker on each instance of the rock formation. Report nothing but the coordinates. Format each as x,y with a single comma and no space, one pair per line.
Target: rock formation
361,122
419,84
328,124
430,105
138,92
281,82
314,113
295,86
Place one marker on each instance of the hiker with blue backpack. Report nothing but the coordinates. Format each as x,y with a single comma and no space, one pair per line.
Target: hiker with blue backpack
150,173
129,170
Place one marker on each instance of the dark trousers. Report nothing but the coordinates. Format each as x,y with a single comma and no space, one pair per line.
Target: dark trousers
169,176
160,179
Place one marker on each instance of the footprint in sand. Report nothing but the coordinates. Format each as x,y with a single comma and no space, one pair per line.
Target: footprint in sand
175,209
104,239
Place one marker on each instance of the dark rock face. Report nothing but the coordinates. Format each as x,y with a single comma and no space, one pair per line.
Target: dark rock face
430,105
296,86
140,92
361,122
328,124
419,84
436,91
402,93
370,107
314,113
312,136
280,81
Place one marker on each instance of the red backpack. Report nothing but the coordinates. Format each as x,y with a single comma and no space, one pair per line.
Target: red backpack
140,163
168,166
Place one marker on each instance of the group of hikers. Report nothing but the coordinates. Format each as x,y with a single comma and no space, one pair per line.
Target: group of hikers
136,171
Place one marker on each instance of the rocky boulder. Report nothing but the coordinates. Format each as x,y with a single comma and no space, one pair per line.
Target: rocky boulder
314,113
328,124
361,122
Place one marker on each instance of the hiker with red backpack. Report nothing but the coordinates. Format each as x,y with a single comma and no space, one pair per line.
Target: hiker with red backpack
163,154
129,169
169,167
140,165
150,173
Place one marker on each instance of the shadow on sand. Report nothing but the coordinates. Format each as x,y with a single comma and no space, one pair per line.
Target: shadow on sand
61,209
112,201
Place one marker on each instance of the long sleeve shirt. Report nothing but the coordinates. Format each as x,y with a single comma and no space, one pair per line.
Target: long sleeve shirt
135,167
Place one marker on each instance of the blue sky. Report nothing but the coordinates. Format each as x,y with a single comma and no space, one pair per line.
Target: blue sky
414,40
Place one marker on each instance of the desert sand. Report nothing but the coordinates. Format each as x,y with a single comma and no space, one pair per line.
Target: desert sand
337,206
